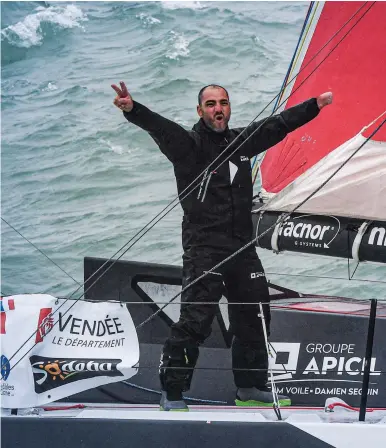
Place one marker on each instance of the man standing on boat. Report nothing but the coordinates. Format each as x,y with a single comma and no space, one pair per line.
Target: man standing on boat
217,222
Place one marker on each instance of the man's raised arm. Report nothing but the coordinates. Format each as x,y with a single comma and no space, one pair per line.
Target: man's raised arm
173,140
269,132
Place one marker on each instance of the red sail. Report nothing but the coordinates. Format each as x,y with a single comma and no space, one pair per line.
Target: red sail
355,72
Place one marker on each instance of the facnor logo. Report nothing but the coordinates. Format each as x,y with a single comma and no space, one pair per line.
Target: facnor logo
377,236
311,235
45,324
5,306
50,373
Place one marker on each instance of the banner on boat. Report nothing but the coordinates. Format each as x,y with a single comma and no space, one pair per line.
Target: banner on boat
53,348
322,235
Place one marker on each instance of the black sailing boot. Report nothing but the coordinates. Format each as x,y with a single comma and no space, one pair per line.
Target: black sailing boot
175,381
251,396
172,402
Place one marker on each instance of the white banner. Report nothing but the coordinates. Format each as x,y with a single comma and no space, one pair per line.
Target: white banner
50,351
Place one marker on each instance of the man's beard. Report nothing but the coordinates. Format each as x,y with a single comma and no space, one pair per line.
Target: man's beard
211,125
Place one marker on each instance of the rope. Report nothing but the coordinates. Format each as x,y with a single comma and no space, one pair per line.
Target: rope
327,277
45,255
278,371
292,63
276,404
269,302
146,389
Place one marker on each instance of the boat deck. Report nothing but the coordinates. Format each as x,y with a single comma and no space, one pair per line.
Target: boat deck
207,426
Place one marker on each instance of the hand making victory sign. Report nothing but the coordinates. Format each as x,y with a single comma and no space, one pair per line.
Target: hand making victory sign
123,100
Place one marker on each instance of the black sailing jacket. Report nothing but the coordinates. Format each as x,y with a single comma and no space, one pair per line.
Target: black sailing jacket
218,212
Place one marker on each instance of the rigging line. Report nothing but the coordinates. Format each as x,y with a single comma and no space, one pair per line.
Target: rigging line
291,64
203,172
306,35
334,173
304,180
256,173
348,256
39,250
139,326
146,389
356,267
277,370
278,222
160,302
326,277
276,405
285,84
197,178
307,299
350,277
302,44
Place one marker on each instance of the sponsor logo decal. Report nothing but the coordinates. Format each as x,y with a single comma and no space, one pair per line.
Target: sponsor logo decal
293,362
377,236
5,367
50,373
257,274
306,234
5,306
45,324
75,326
285,359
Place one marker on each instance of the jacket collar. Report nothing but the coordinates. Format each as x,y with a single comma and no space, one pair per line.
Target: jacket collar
218,137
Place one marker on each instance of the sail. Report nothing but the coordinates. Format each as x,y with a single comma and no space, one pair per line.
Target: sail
339,148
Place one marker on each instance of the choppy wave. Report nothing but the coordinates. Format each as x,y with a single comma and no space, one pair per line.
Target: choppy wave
147,19
182,5
49,87
37,27
31,31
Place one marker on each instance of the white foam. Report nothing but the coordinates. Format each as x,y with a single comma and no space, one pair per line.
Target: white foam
182,5
28,32
118,149
147,20
50,86
180,46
